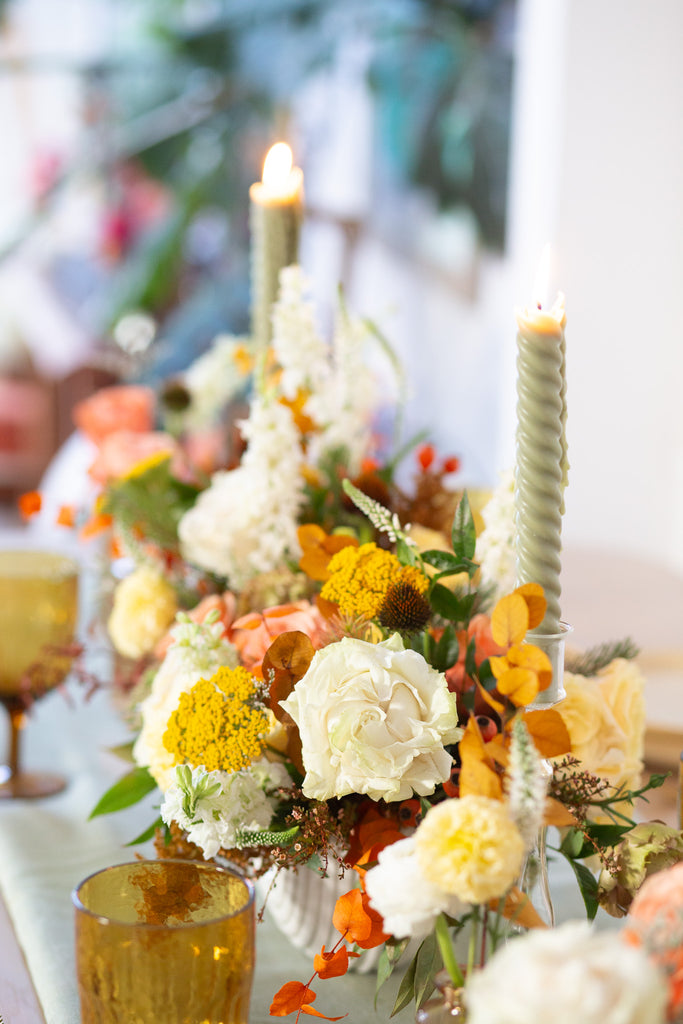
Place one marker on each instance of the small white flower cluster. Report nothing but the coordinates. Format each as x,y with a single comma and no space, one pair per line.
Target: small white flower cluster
496,543
217,808
245,522
342,393
565,975
213,380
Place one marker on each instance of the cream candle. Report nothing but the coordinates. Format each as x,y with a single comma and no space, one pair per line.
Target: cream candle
541,465
276,211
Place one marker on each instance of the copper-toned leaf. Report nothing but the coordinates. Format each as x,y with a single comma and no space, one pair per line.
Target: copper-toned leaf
535,601
518,907
292,651
510,620
549,732
532,657
557,814
291,997
350,917
520,685
333,964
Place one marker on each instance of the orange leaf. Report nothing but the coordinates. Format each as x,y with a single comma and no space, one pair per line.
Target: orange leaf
496,749
549,732
290,998
498,665
479,779
287,658
530,656
309,534
377,934
557,814
30,504
331,965
535,602
311,1010
96,524
488,699
66,515
350,917
518,907
510,620
520,685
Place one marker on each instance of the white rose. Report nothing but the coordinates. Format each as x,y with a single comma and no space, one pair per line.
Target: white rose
408,902
373,719
565,975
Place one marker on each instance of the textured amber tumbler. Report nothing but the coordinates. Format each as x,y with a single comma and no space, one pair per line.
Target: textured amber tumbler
164,942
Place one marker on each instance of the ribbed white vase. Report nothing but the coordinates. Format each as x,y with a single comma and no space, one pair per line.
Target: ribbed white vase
302,904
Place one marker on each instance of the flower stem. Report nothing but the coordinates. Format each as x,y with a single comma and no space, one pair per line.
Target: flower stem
443,939
472,951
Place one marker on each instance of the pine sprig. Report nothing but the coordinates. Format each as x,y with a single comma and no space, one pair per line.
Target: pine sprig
596,658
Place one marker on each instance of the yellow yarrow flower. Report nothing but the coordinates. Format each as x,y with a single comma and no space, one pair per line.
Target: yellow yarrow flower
470,847
360,578
219,723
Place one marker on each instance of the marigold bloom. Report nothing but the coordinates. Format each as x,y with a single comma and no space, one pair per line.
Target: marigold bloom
470,847
360,577
219,723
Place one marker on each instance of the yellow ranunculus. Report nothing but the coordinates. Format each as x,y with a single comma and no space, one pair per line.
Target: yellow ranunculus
145,605
470,847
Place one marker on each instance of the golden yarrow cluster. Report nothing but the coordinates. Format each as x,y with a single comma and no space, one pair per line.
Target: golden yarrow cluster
360,578
218,724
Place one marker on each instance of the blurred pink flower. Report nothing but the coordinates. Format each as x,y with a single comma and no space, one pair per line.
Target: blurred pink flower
122,450
122,407
655,922
252,634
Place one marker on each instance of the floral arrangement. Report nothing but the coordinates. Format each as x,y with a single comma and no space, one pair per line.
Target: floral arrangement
322,686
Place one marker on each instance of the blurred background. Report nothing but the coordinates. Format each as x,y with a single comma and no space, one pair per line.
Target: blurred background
443,142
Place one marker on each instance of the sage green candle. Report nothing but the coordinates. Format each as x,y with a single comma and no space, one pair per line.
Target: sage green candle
276,213
541,464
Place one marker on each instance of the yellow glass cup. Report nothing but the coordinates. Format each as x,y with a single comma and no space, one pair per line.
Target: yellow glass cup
164,942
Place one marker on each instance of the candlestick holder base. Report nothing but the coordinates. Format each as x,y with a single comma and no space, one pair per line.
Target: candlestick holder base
553,645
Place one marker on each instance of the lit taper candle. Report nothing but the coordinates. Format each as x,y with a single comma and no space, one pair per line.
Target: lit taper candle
276,212
541,464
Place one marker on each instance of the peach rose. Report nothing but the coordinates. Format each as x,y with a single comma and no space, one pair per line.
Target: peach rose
122,407
253,634
480,629
122,450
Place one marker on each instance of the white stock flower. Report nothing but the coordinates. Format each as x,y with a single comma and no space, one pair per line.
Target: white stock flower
215,807
565,975
496,544
373,719
213,379
301,354
198,650
398,889
245,522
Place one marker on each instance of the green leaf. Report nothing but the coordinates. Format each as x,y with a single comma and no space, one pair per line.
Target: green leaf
588,886
444,602
572,843
124,751
486,676
444,561
406,989
406,553
470,659
148,834
446,651
124,793
427,964
463,532
392,951
604,835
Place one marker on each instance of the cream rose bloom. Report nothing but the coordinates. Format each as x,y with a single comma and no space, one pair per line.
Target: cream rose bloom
605,717
373,719
470,847
197,651
145,605
567,975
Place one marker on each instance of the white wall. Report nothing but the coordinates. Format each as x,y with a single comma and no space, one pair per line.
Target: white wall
597,168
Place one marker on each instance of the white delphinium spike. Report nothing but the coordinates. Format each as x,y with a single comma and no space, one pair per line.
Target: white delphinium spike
380,517
528,776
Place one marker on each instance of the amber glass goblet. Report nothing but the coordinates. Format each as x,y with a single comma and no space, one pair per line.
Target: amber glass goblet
167,941
38,611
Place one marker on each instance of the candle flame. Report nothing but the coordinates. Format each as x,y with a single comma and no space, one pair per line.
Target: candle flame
277,165
542,280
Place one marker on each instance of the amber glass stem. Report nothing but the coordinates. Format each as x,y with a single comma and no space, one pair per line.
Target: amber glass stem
16,722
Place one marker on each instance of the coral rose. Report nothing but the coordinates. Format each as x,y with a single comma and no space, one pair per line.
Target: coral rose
253,634
121,451
122,407
479,629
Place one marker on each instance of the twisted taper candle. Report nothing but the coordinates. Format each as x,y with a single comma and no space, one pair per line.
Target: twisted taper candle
540,472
